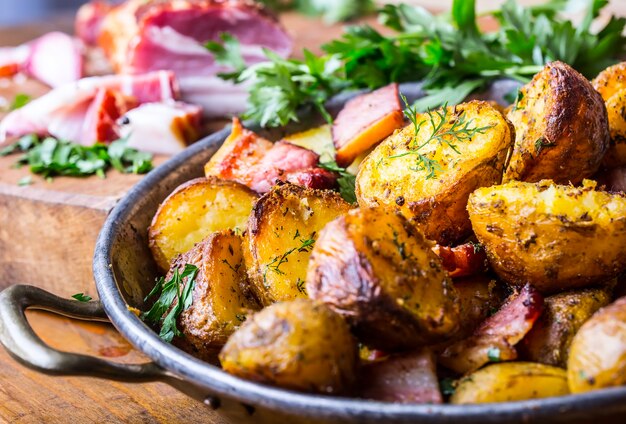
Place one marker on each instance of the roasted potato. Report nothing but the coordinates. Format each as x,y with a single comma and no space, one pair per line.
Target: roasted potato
597,356
557,237
300,345
221,295
564,313
282,230
375,269
468,144
318,139
194,210
512,381
611,84
561,128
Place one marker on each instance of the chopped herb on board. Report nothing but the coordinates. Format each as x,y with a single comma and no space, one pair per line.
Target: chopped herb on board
52,157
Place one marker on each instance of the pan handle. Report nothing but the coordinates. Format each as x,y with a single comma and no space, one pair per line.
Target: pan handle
19,339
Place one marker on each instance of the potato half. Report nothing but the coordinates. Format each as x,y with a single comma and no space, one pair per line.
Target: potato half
221,295
194,210
564,313
394,176
611,84
282,230
299,345
511,381
555,237
561,128
375,269
597,356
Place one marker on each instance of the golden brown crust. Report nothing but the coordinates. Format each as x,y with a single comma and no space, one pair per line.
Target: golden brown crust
282,229
388,177
557,237
300,345
194,210
377,271
561,128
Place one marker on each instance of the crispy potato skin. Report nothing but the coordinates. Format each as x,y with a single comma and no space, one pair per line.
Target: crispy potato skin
479,297
558,237
388,177
372,267
611,84
564,313
221,295
194,210
511,381
561,128
276,252
300,345
597,356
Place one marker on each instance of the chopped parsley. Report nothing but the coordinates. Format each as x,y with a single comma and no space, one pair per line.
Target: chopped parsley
175,297
447,386
20,100
346,180
52,157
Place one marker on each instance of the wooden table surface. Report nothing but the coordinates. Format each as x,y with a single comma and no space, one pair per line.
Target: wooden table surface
29,397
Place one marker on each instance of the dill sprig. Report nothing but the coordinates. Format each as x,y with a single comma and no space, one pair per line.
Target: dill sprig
306,245
459,130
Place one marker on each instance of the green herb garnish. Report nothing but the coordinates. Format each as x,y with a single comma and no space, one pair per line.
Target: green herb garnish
493,354
20,100
175,297
447,386
81,297
331,10
52,157
448,52
346,180
459,130
305,246
542,143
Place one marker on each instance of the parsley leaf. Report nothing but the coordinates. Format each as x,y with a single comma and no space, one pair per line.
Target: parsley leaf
81,297
52,157
448,52
447,386
173,290
346,180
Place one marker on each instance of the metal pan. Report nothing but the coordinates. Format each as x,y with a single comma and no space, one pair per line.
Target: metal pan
124,273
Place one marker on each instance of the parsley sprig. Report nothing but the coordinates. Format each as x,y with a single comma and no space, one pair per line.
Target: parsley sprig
52,157
346,180
448,52
444,130
172,290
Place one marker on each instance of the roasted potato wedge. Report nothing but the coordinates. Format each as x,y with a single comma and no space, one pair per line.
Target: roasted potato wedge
300,345
611,84
434,196
221,295
561,128
512,381
375,269
557,237
564,313
282,230
194,210
318,139
597,356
